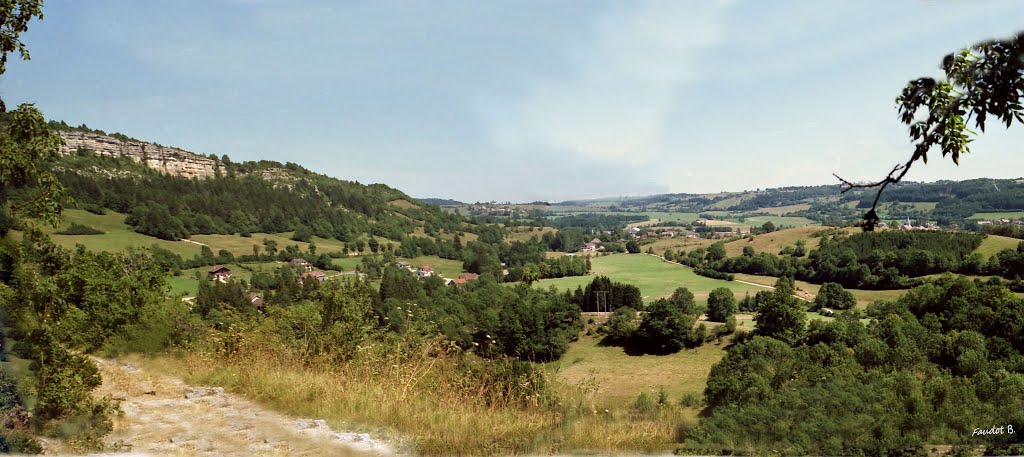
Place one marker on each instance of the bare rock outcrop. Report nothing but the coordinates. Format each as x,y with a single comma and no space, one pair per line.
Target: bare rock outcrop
172,161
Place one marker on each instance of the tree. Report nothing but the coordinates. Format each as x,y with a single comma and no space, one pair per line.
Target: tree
768,227
664,330
834,296
983,81
620,327
14,18
721,304
780,318
27,145
715,252
632,247
530,273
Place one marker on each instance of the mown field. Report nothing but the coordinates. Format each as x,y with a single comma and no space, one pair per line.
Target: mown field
188,282
1008,215
655,277
616,378
118,236
992,244
774,242
810,290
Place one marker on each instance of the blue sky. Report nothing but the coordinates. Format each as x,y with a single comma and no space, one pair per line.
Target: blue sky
521,100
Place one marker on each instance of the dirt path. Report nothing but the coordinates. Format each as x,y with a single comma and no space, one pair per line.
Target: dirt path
164,416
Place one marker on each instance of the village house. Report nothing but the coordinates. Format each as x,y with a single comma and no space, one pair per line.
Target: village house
469,276
312,275
256,301
402,265
589,247
425,272
300,263
219,273
633,231
596,241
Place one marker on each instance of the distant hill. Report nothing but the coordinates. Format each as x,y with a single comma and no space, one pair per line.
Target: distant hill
942,202
441,201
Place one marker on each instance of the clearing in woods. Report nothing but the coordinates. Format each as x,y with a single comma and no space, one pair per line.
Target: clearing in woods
992,244
655,277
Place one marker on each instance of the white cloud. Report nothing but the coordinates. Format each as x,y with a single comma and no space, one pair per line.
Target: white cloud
627,76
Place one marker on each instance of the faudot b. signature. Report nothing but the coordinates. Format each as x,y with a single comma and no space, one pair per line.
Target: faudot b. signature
995,430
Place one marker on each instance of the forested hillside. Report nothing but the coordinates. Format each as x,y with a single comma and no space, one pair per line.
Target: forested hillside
252,197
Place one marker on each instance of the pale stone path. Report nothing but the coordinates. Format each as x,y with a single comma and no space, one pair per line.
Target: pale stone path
164,416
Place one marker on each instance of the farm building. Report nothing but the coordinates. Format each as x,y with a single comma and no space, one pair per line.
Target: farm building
425,271
256,301
219,273
315,275
300,263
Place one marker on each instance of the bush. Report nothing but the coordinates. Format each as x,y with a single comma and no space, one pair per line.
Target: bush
644,405
79,229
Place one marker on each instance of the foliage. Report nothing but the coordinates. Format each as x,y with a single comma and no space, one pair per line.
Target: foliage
79,229
937,362
27,146
721,304
14,18
984,80
668,325
616,295
620,327
834,296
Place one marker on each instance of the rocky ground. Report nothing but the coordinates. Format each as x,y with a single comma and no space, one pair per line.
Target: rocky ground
164,416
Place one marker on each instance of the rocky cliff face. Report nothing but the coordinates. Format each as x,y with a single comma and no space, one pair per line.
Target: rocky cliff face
171,161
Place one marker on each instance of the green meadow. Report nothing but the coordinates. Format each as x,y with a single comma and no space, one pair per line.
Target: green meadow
655,277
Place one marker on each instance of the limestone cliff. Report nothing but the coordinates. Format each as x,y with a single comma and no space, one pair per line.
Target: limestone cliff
167,160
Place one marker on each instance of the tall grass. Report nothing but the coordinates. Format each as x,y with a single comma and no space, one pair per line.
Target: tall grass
430,398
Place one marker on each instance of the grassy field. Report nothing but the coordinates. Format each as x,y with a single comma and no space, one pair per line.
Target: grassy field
774,242
677,243
525,233
675,217
780,210
779,221
864,297
188,284
347,263
655,277
444,267
995,243
617,378
118,236
1008,215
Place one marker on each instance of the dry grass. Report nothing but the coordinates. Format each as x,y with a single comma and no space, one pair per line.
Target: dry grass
159,419
773,242
525,233
618,378
424,397
810,290
403,203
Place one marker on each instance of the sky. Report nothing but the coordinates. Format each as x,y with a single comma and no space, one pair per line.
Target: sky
518,101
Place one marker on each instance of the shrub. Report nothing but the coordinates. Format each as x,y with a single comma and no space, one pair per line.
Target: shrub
79,229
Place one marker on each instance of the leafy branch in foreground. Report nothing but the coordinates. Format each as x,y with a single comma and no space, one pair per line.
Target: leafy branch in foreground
983,81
